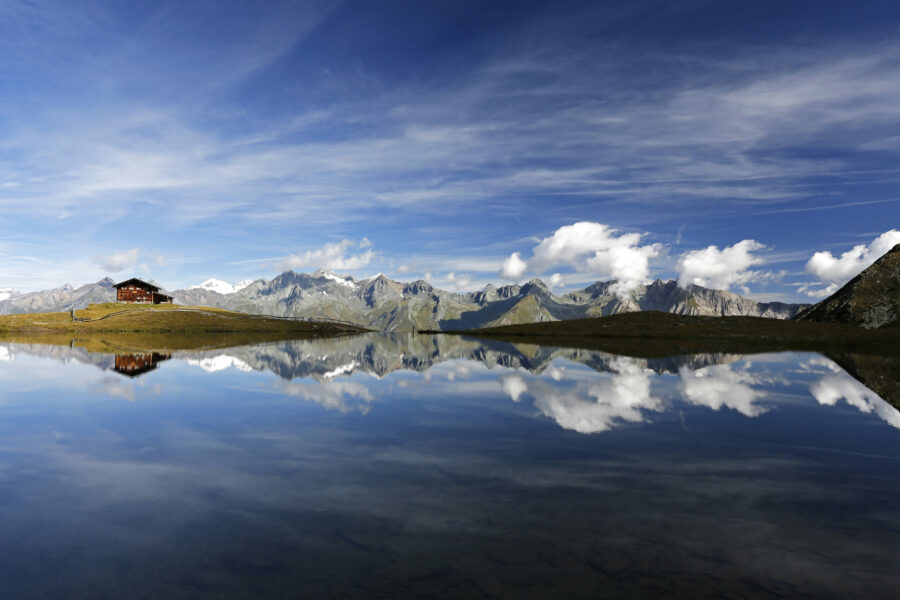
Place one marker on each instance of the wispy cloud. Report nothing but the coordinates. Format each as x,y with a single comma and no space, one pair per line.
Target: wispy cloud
215,131
334,255
118,261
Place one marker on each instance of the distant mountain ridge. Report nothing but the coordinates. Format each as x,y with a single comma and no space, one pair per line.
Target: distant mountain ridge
384,304
59,299
870,300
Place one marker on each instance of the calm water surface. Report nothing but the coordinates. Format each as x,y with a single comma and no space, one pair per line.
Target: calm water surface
436,467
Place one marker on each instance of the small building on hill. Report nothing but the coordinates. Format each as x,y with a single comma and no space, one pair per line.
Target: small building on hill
135,291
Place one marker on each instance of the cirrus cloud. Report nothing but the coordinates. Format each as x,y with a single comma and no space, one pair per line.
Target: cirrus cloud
118,261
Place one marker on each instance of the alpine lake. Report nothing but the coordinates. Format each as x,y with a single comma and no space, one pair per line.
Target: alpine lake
438,466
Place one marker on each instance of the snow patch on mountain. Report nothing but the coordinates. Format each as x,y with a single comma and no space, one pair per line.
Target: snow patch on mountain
220,363
7,293
222,287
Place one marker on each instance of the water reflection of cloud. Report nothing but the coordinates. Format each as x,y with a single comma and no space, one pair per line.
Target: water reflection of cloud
344,396
116,388
126,389
513,386
819,364
599,405
836,386
720,385
5,355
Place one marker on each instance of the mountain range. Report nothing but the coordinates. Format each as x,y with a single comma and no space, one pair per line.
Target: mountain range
384,304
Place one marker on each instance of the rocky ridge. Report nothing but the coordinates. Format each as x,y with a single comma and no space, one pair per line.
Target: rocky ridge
384,304
870,300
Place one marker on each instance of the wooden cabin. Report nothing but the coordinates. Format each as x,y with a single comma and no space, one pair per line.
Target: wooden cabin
135,291
132,365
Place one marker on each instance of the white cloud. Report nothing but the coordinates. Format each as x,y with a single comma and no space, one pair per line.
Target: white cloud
717,386
720,269
459,282
809,290
831,388
622,396
118,261
334,255
513,267
513,386
589,247
344,396
837,271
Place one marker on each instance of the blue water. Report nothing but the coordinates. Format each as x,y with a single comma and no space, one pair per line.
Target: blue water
437,467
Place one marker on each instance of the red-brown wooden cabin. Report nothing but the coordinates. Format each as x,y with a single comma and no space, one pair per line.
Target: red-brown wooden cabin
134,291
133,365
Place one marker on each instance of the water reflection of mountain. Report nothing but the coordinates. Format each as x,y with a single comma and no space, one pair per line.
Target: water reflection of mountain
622,391
382,354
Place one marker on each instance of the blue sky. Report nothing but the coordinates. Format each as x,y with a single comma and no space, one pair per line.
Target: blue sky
467,143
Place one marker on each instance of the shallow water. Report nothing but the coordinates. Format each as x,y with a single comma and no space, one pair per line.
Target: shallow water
420,466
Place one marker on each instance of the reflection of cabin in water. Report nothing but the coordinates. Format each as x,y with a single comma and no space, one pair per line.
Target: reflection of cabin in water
132,365
136,291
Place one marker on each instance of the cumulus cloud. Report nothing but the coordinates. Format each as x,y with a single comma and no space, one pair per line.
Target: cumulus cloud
333,255
717,386
720,269
593,407
589,247
118,261
513,267
836,271
833,387
513,386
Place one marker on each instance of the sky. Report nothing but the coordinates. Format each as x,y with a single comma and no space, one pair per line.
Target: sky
750,146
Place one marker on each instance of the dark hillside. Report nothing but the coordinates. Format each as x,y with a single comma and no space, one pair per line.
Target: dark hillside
870,300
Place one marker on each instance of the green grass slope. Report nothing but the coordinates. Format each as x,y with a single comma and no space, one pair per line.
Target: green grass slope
112,317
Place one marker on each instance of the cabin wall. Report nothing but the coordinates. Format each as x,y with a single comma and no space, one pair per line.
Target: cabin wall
133,294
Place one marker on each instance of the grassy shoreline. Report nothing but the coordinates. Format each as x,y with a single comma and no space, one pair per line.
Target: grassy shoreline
118,328
652,334
112,317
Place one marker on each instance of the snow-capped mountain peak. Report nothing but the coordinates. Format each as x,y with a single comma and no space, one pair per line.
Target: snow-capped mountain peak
222,287
7,293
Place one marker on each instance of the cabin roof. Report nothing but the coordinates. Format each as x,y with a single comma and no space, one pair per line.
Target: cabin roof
137,282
